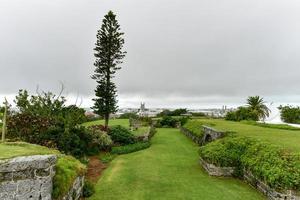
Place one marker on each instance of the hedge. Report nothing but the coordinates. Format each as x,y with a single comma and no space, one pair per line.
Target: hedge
130,148
195,127
278,168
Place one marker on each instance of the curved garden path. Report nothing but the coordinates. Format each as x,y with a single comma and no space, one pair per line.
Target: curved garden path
169,169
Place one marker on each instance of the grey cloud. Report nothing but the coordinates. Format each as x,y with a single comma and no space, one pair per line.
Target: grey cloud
213,51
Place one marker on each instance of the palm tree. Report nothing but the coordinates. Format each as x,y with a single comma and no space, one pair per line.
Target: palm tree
257,105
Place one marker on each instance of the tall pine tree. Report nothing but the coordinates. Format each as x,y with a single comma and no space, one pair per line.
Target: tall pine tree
109,55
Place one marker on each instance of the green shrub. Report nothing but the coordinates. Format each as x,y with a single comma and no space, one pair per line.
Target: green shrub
170,122
195,127
242,113
67,169
130,148
106,157
100,140
121,135
77,141
129,115
275,166
290,114
88,189
225,152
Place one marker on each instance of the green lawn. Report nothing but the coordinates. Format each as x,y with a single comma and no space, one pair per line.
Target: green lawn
11,150
169,169
122,122
112,122
289,139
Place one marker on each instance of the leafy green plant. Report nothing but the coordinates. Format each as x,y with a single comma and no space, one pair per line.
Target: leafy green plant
130,148
121,135
106,157
195,127
290,114
88,189
275,166
67,169
169,122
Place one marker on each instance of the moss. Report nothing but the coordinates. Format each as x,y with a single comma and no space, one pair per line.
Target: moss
67,169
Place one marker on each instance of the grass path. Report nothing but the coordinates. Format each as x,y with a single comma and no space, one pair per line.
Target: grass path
169,169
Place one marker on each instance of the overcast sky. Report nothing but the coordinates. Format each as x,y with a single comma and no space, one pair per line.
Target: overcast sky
187,53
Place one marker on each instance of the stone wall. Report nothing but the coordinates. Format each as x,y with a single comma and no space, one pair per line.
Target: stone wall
148,135
189,134
27,178
76,190
216,171
30,178
267,190
249,178
209,134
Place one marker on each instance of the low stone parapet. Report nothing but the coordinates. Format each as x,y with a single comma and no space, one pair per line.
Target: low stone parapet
189,134
75,191
249,178
267,190
31,178
214,170
27,178
211,134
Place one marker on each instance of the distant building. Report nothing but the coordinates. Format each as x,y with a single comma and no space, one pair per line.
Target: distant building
144,112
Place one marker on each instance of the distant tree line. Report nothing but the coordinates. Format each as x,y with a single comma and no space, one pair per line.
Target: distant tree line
290,114
254,110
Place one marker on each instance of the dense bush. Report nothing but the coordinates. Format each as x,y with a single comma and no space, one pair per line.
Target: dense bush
121,135
49,105
130,148
99,127
176,112
290,114
242,113
225,152
78,141
44,119
28,127
170,122
275,166
129,115
88,189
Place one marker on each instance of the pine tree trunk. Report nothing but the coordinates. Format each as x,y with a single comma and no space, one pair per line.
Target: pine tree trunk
4,129
106,118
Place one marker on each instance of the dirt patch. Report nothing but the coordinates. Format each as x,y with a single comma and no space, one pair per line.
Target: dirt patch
94,169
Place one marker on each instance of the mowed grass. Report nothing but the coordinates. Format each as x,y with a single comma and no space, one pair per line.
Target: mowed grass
14,149
112,122
289,139
169,169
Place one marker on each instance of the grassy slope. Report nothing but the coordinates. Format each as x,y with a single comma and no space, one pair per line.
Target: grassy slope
10,150
289,139
169,169
122,122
